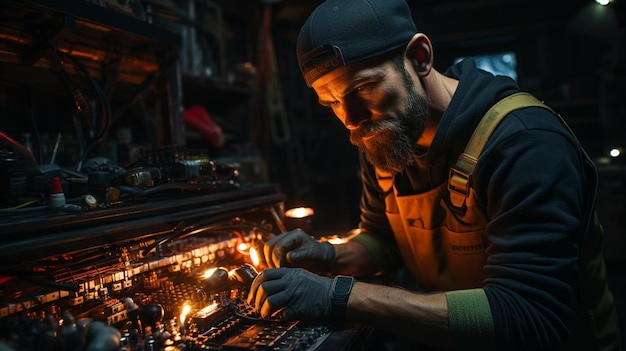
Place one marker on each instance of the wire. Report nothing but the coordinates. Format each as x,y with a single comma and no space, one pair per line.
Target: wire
175,186
105,108
278,220
29,210
31,112
175,231
33,298
55,149
179,232
25,204
18,147
48,283
141,90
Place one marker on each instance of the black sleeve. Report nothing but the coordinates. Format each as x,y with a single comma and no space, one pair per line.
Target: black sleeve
373,218
533,186
376,234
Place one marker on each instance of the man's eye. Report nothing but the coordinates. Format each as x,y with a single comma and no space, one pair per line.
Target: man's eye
329,104
364,88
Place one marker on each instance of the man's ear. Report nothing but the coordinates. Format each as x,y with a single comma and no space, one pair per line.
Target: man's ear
419,51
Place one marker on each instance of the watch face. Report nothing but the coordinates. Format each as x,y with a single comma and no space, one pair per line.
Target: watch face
343,285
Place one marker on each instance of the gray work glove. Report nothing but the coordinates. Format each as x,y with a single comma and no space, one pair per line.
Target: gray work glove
298,249
289,294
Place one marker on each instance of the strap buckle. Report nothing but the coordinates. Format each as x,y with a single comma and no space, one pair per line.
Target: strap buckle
458,186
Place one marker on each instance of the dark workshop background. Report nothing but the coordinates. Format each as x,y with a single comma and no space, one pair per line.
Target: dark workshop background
236,58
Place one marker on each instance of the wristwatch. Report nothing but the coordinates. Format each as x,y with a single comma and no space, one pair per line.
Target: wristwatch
341,288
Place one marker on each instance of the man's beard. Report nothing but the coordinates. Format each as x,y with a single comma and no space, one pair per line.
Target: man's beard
392,148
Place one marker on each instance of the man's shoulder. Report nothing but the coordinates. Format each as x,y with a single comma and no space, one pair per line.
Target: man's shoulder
531,120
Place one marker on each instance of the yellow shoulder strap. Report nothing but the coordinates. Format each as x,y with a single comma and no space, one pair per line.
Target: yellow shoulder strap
460,173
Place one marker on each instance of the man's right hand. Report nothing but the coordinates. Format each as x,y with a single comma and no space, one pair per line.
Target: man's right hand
298,249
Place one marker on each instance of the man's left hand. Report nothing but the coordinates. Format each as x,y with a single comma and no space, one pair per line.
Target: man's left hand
290,294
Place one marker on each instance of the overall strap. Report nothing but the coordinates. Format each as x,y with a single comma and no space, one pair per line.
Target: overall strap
460,174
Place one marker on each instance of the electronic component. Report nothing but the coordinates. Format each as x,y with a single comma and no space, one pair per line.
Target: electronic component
209,315
40,178
143,178
169,273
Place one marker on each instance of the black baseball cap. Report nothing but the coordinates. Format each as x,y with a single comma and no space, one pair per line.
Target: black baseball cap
342,32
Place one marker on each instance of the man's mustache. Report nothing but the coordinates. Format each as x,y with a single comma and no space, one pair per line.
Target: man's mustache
369,128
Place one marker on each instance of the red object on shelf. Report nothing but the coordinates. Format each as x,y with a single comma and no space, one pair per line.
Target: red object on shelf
197,117
57,197
56,187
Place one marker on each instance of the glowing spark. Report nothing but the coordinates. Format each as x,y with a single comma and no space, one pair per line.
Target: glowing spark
209,273
184,313
254,256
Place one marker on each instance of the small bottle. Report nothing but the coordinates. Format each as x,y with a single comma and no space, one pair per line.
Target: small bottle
57,197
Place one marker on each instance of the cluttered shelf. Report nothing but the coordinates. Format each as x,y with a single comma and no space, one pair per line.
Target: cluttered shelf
124,21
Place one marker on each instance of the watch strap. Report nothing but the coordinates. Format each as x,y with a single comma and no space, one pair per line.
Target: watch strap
340,292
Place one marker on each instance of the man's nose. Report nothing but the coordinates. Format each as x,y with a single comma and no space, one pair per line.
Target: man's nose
353,115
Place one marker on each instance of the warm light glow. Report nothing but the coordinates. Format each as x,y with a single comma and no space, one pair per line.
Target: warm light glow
615,152
184,313
243,248
254,256
209,273
337,240
299,212
207,311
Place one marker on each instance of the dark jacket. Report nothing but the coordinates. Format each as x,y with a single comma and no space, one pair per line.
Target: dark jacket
537,187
